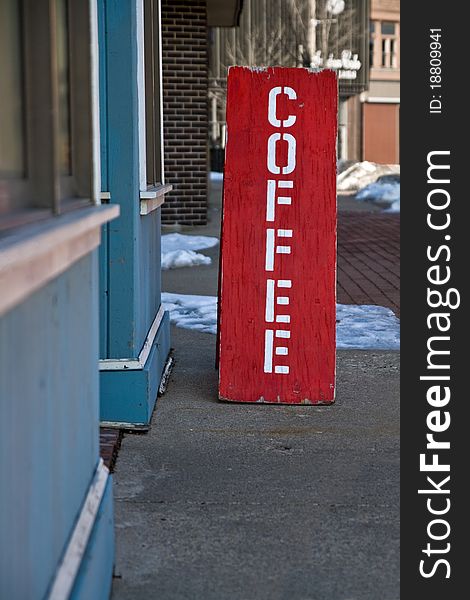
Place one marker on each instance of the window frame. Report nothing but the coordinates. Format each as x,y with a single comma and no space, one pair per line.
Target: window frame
155,176
43,191
387,59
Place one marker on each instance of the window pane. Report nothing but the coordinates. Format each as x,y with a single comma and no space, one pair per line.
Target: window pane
386,53
12,142
393,51
63,74
388,28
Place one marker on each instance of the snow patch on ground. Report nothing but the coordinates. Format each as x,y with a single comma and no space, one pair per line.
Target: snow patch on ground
363,327
192,312
178,250
184,258
366,327
178,241
384,192
361,174
380,192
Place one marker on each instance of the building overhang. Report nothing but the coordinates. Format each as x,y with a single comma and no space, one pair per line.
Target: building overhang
223,13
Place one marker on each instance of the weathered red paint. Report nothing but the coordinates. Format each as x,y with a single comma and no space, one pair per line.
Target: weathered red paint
254,289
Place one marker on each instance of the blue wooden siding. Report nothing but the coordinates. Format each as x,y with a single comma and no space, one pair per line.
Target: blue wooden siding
130,270
104,291
49,406
150,271
129,396
125,331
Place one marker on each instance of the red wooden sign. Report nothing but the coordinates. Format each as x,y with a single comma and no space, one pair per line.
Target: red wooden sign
278,271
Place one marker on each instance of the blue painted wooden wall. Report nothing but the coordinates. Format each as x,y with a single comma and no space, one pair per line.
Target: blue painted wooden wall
49,408
130,272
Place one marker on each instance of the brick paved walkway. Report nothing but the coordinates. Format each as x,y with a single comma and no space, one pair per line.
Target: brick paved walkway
369,259
110,442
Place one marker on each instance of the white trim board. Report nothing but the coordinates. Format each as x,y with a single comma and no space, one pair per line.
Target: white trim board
33,255
155,191
70,564
133,364
383,100
153,197
125,425
148,205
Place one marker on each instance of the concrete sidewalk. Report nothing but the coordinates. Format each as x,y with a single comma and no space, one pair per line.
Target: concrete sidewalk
222,501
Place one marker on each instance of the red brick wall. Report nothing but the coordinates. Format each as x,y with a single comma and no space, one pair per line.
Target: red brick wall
185,110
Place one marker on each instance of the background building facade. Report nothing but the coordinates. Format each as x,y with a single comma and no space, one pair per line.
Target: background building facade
303,33
381,103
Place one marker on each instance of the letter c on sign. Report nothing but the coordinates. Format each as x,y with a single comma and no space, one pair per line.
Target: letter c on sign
272,141
272,106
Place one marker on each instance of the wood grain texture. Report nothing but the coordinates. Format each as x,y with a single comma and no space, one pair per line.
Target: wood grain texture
278,270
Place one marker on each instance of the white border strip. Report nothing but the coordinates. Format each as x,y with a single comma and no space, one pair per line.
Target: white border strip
125,425
383,99
72,559
124,364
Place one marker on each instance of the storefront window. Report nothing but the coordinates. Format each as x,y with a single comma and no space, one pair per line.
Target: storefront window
63,87
12,138
45,109
388,28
